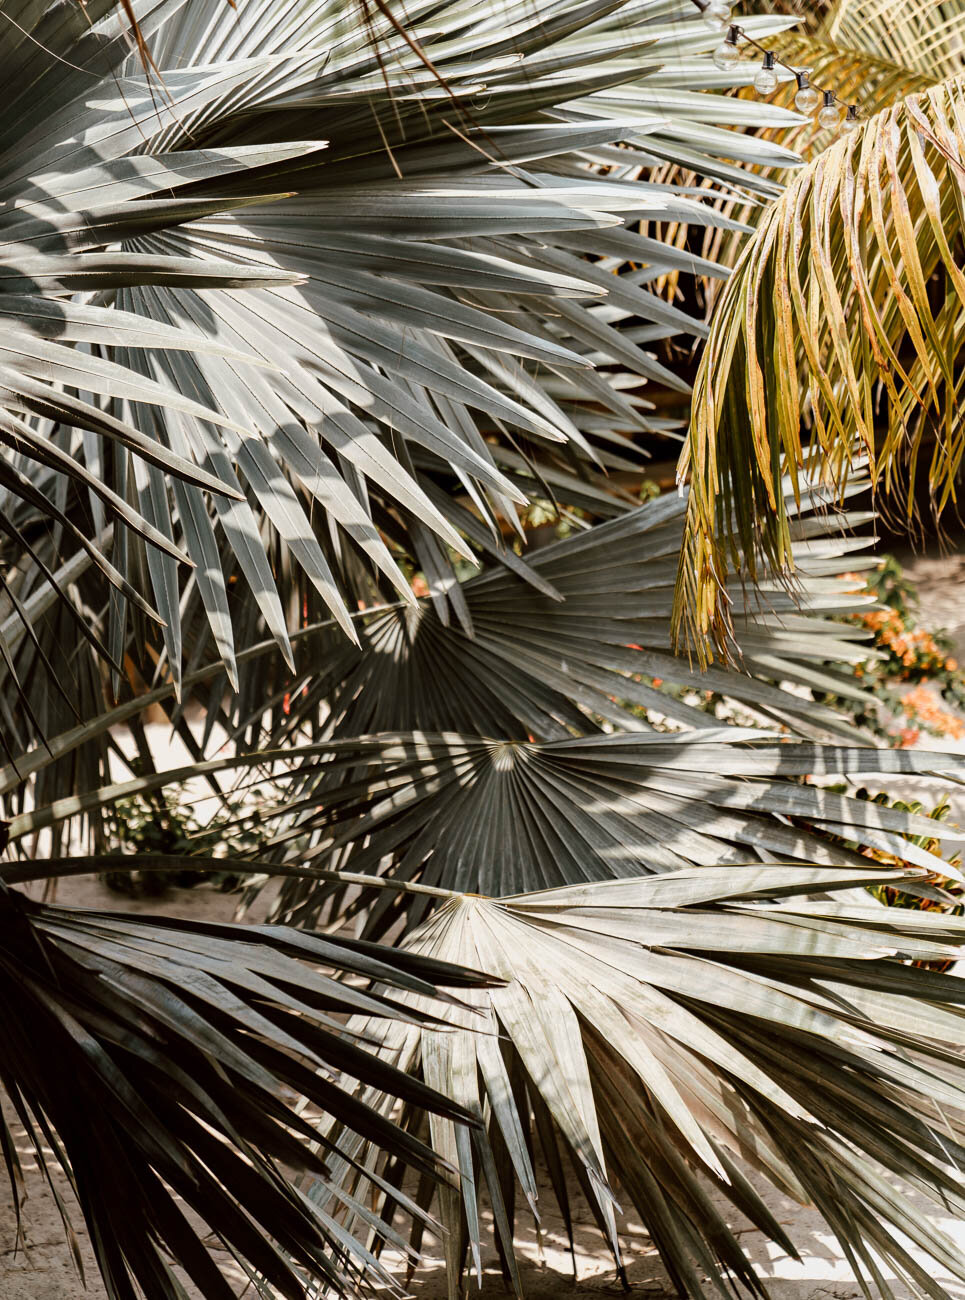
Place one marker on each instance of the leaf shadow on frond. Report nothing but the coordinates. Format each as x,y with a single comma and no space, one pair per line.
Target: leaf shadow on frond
445,331
570,637
173,1072
496,817
670,1036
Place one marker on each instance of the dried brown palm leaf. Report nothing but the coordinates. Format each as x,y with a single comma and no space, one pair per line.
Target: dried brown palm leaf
925,36
842,321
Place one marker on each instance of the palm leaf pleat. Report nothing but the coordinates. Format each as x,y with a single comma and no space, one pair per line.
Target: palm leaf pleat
673,1036
436,324
344,313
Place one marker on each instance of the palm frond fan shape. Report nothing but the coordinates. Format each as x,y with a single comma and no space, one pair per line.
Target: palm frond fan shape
165,440
536,729
671,1038
438,328
453,344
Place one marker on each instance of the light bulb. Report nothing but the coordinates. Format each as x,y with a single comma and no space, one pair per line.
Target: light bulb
766,80
717,15
850,122
807,98
830,114
727,53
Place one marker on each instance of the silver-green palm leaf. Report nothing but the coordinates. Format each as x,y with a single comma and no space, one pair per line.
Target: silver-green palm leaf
445,324
673,1035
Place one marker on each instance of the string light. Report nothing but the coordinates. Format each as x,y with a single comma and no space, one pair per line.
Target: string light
717,15
765,83
807,98
830,114
727,53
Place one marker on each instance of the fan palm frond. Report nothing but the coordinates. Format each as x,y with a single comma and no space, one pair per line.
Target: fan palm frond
671,1035
828,313
77,190
158,1061
314,303
495,817
437,320
467,814
430,743
573,637
558,641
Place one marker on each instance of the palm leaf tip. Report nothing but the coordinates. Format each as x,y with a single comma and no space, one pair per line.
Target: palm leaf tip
828,312
155,1063
675,1034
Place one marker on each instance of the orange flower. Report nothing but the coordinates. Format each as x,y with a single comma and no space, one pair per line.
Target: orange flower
920,704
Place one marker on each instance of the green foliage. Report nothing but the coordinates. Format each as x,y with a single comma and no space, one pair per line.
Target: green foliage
168,823
888,584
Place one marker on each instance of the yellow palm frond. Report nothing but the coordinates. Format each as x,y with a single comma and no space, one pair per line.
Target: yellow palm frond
923,36
872,53
841,331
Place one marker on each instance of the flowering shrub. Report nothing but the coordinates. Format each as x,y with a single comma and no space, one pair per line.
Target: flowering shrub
907,655
917,651
922,708
917,688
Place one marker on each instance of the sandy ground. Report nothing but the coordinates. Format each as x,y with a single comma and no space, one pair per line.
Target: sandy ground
44,1270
